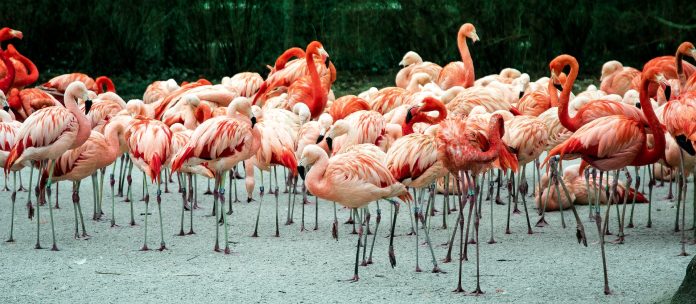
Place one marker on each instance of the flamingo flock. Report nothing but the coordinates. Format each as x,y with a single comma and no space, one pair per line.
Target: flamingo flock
437,126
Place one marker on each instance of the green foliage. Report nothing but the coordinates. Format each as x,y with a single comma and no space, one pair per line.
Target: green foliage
193,38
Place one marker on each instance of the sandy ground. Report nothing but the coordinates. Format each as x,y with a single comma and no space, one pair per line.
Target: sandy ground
546,267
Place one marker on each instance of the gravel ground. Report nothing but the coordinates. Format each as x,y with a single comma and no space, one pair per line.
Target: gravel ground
546,267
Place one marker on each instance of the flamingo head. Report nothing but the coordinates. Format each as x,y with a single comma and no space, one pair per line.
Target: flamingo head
7,33
76,90
609,68
410,58
687,48
310,155
468,30
339,128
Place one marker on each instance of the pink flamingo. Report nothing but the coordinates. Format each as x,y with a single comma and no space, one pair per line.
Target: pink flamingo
244,84
460,73
613,142
412,63
672,67
8,136
149,147
47,134
8,78
352,179
463,149
222,142
26,70
616,78
158,90
346,105
312,89
359,128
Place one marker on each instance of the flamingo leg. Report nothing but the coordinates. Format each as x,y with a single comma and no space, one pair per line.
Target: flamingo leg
195,192
229,194
51,165
183,205
38,208
95,208
682,189
460,180
57,187
450,244
622,216
651,184
275,193
491,184
477,218
552,178
357,248
558,180
374,236
207,191
334,226
416,216
190,200
258,212
121,174
445,203
221,192
75,199
392,255
163,246
146,196
216,248
580,228
601,231
426,229
411,216
13,197
101,191
112,182
236,173
523,188
165,181
302,222
316,213
679,201
79,212
510,185
129,178
633,201
366,219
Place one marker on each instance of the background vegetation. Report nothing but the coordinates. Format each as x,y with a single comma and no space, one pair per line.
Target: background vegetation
139,41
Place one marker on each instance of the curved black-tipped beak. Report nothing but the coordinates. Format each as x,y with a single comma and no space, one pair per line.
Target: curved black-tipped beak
88,105
668,92
320,138
409,116
558,86
301,171
685,144
329,142
521,94
328,63
6,108
253,121
638,105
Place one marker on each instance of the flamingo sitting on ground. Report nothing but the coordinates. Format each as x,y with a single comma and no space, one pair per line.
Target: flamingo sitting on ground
413,63
616,78
47,134
352,179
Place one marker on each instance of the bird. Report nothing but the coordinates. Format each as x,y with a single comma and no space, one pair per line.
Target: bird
616,78
671,67
158,90
149,148
460,73
346,105
357,128
8,136
352,179
9,75
466,151
25,69
613,142
61,82
311,89
589,111
413,63
222,142
47,133
245,84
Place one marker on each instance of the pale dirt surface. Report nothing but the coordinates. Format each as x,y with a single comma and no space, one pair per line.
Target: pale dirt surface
308,267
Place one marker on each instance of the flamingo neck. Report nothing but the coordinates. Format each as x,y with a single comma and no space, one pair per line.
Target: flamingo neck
649,156
112,132
318,97
285,57
466,59
569,123
105,81
6,82
33,72
84,125
315,182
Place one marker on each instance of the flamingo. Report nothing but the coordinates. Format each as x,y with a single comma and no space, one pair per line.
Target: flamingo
158,90
613,142
491,98
413,64
222,142
352,179
590,111
61,82
26,71
460,73
149,148
359,128
616,79
311,89
346,105
183,112
47,134
7,33
244,84
8,78
8,136
26,101
672,67
464,149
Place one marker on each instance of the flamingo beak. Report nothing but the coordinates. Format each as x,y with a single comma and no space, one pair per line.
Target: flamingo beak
320,138
323,53
411,113
16,34
521,94
474,37
253,121
301,171
329,143
88,105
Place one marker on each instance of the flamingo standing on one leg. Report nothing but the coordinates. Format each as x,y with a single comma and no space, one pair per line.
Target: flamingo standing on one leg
613,142
48,133
460,73
352,179
149,147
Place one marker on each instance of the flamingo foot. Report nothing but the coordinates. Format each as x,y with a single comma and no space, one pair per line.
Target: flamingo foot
163,247
498,201
334,230
542,222
459,289
477,292
392,256
349,221
54,248
618,241
227,250
255,234
217,248
418,269
190,232
38,246
181,233
515,210
369,261
144,248
492,241
10,240
354,279
437,269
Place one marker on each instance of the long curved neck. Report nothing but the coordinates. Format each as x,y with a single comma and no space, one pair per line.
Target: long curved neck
285,57
315,182
649,156
679,62
318,96
574,123
413,85
6,82
84,125
112,132
466,59
32,71
105,81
